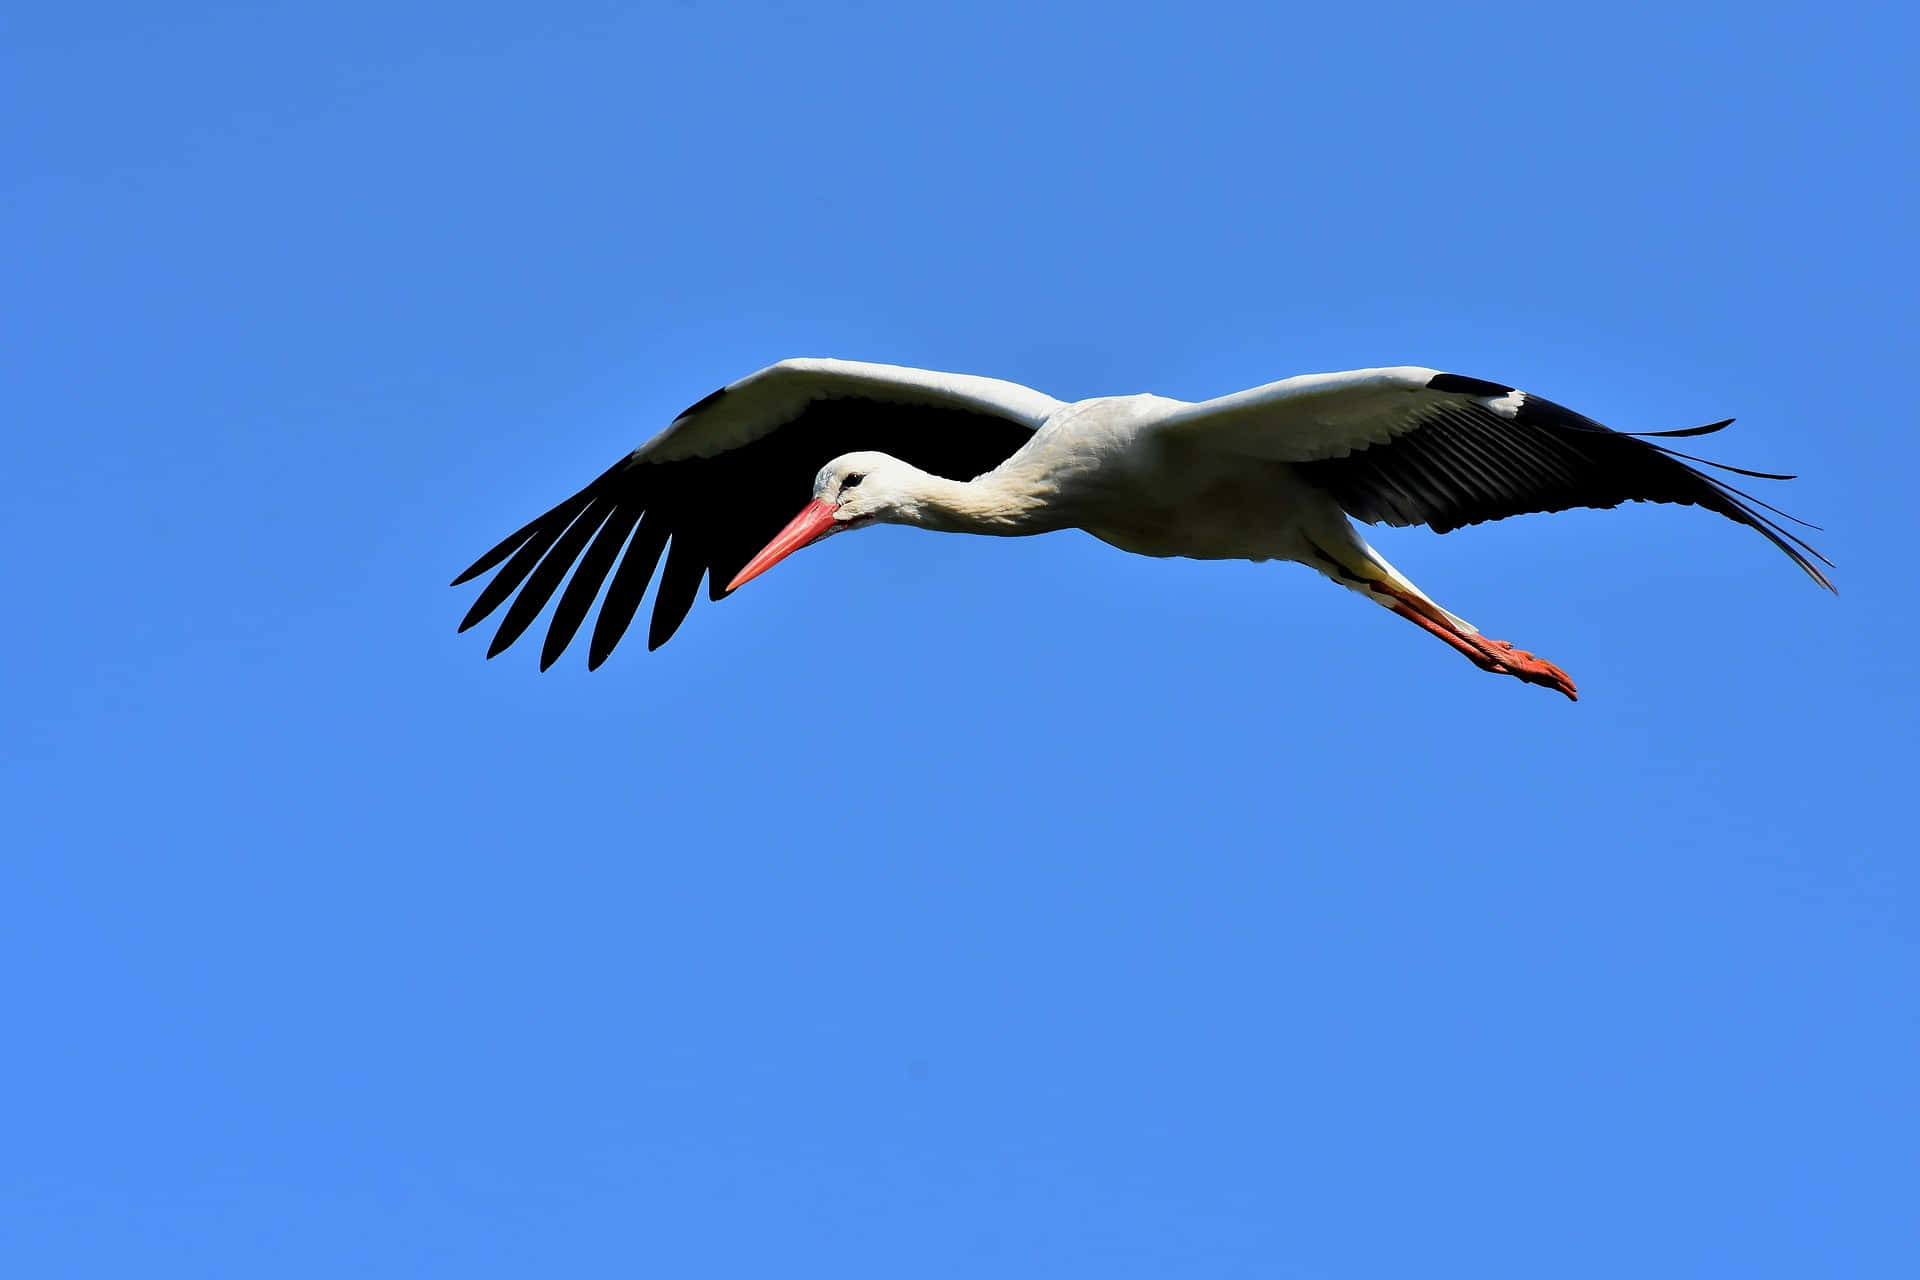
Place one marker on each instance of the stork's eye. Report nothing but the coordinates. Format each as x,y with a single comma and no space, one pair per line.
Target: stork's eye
853,480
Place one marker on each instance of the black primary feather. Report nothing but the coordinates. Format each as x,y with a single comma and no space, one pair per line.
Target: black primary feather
708,515
1464,462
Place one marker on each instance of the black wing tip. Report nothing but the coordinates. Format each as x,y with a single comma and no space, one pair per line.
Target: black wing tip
1460,384
1732,503
554,646
681,501
1449,483
501,550
1727,466
558,516
1806,561
1707,430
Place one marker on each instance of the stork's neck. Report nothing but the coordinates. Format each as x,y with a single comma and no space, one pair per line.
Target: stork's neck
995,503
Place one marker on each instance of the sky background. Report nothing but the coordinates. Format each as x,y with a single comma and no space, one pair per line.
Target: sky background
944,906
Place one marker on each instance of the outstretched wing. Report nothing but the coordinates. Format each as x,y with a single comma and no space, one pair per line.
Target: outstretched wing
1409,445
723,478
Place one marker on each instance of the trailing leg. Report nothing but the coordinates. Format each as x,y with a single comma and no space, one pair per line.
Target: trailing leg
1359,567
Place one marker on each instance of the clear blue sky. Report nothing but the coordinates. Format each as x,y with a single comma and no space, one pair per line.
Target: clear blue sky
944,906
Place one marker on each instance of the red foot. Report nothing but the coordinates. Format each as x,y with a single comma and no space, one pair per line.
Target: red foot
1499,656
1488,655
1494,655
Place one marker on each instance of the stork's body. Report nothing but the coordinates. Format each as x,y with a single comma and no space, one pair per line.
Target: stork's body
1098,465
1146,492
1268,474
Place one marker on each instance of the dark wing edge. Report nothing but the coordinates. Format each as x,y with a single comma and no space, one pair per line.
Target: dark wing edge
1464,461
705,516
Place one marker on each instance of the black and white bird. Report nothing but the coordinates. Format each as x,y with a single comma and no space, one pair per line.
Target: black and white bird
1274,473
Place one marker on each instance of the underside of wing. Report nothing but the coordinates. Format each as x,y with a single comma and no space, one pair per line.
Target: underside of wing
699,499
1313,415
1408,446
765,401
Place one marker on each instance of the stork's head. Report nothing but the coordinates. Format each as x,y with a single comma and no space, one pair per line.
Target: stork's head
853,490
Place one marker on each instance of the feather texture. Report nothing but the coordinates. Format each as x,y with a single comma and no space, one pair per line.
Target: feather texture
1457,460
708,514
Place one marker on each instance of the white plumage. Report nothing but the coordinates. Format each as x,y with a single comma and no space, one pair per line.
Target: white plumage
1275,472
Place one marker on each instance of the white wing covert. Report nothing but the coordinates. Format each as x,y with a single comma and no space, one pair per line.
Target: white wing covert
723,478
1408,445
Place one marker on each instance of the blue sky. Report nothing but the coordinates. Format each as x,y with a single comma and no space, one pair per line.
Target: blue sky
943,906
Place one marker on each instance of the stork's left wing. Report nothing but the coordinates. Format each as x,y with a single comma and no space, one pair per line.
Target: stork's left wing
1409,445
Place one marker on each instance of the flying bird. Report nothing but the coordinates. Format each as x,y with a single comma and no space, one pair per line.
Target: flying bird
1278,472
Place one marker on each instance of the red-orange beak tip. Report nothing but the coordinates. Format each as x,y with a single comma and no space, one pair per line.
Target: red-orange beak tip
813,523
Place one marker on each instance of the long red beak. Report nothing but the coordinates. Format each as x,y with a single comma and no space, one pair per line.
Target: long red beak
811,525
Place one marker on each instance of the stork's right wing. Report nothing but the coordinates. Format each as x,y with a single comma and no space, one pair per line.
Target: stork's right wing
723,478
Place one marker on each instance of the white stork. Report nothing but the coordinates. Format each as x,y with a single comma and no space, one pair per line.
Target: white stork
1273,473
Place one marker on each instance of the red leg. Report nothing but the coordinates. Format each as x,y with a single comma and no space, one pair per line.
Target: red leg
1488,655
